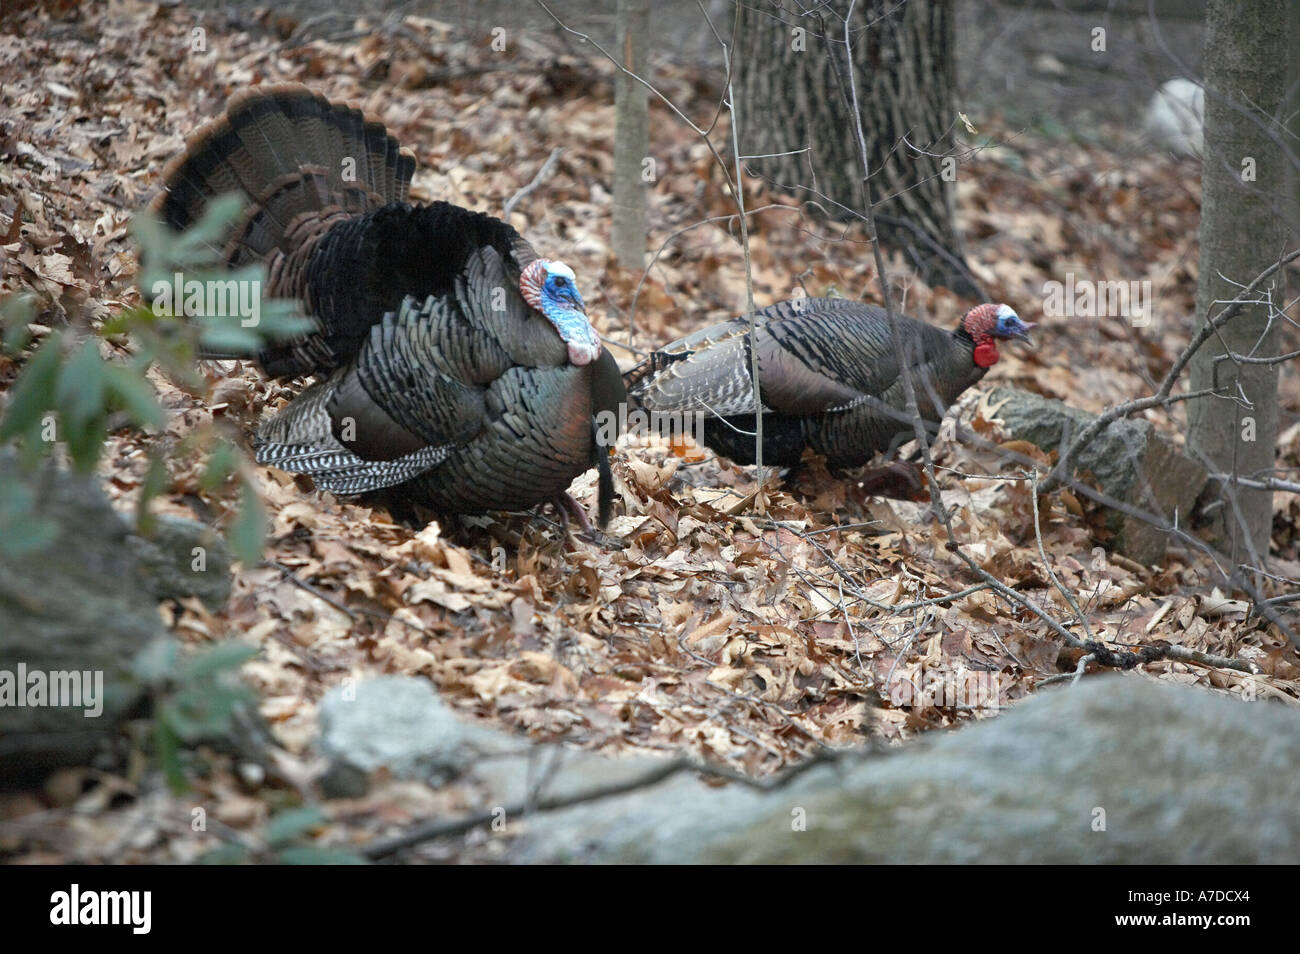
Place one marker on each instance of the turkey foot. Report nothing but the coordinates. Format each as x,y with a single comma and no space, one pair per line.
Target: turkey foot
566,506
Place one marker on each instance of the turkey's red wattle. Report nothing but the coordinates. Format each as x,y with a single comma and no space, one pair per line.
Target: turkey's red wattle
986,354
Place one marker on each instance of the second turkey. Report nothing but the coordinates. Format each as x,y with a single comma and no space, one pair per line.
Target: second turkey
828,375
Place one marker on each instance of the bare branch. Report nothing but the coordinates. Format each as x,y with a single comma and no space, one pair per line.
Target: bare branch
1162,396
543,174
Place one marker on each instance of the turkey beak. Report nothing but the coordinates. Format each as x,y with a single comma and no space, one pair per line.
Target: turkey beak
1023,332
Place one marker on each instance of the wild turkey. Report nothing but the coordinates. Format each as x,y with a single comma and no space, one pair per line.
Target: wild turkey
461,371
827,374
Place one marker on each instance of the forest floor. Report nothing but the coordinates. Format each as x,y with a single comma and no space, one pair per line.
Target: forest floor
745,639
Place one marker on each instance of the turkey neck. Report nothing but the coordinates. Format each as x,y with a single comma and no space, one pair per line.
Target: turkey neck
954,369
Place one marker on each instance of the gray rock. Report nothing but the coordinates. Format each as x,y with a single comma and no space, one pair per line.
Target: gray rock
77,604
393,722
173,567
549,771
1115,770
399,723
1130,461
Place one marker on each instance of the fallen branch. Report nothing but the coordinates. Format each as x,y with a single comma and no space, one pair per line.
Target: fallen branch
428,831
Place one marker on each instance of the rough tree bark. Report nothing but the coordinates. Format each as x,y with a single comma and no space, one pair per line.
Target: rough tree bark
793,96
631,136
1243,183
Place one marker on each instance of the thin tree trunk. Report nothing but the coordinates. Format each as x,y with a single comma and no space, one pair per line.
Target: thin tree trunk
1242,232
1293,114
799,117
631,137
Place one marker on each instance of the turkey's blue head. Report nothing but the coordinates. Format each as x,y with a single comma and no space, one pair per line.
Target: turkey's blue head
987,323
552,289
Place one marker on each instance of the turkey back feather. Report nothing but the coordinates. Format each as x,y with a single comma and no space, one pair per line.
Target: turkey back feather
829,380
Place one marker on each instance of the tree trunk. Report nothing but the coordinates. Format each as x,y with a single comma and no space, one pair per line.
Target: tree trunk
794,98
631,137
1292,112
1243,183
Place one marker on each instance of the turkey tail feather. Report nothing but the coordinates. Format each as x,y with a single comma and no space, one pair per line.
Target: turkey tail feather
287,151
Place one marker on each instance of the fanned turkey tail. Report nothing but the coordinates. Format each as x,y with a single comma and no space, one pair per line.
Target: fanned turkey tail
289,152
302,165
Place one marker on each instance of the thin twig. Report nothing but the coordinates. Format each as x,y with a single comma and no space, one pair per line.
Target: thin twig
543,174
304,585
1047,564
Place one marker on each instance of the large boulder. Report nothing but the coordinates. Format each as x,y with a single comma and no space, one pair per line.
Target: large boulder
1118,769
78,603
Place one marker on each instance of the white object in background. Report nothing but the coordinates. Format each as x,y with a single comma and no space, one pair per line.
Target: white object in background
1174,117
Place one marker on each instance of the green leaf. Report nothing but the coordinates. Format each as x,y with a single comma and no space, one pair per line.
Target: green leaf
16,313
135,395
200,244
155,482
247,529
175,355
151,235
204,711
292,823
210,230
79,394
225,854
21,531
222,462
223,657
33,393
126,320
167,746
156,662
226,336
281,319
85,441
311,855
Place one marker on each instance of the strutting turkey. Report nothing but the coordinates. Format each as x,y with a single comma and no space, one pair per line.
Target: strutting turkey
460,371
828,377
